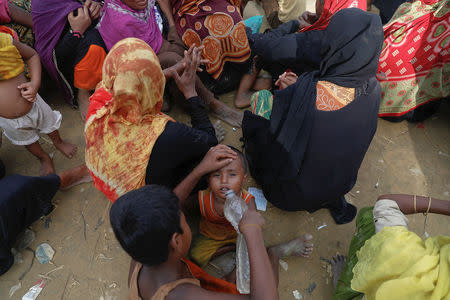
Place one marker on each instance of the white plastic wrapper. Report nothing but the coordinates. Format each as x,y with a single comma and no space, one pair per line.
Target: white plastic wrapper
234,210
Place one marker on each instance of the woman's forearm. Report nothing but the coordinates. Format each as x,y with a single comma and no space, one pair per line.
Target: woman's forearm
20,15
406,204
166,8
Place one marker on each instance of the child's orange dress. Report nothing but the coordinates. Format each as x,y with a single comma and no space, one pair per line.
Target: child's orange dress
215,230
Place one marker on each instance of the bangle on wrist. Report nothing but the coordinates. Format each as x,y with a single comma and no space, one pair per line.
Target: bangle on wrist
76,33
250,225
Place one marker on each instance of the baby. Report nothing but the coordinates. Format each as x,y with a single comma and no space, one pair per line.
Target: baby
217,235
23,113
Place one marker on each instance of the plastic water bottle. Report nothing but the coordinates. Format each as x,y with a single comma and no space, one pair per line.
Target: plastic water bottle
234,209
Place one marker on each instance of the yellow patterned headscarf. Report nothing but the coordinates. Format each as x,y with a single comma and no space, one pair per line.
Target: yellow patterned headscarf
11,62
124,119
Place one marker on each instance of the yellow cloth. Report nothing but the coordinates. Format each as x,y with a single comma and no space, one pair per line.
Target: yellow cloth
11,62
397,264
124,119
203,248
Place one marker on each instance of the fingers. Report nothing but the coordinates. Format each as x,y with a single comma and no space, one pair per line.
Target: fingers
95,12
252,205
86,11
23,86
221,148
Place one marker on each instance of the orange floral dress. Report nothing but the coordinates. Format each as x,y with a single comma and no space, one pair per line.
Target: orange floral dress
217,25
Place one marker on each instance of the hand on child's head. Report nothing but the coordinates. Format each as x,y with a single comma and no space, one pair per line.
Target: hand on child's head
251,219
216,158
28,90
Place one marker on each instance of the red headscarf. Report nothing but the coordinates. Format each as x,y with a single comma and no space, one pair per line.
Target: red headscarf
330,7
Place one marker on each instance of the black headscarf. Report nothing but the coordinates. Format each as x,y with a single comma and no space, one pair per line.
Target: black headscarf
350,53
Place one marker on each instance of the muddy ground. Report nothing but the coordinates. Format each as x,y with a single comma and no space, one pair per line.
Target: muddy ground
89,263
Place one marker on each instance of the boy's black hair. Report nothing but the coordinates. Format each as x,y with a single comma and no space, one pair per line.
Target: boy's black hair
242,157
144,221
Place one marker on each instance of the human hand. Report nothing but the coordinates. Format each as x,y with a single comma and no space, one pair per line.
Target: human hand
29,90
94,8
307,19
286,79
82,21
186,82
251,219
181,65
217,157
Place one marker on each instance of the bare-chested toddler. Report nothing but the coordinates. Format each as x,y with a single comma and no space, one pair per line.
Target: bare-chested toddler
23,113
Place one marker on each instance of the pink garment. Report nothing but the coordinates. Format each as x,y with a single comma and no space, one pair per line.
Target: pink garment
5,16
118,21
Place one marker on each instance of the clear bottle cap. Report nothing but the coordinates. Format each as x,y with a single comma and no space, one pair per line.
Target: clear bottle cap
229,193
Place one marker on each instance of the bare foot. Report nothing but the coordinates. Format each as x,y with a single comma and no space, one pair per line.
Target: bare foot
300,246
226,113
67,149
220,131
242,100
262,84
83,102
74,177
337,265
46,166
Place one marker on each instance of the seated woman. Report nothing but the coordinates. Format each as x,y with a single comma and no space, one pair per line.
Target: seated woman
129,18
70,47
291,46
217,25
16,15
306,152
415,61
381,240
129,142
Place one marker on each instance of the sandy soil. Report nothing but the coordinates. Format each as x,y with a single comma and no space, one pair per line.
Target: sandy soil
89,263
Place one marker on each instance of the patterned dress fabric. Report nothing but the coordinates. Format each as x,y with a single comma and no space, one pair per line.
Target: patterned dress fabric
330,7
124,118
415,57
218,26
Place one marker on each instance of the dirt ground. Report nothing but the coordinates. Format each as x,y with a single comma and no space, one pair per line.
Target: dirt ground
89,263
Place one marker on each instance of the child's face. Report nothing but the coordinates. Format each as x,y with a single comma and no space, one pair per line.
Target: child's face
136,4
230,177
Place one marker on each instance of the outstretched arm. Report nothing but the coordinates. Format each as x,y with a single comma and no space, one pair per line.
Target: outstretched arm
406,204
20,15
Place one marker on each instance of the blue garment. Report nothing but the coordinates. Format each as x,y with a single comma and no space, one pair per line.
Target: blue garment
23,200
284,48
254,23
